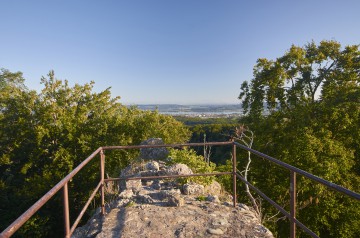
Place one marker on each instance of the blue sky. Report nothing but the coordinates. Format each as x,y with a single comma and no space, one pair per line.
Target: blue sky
164,51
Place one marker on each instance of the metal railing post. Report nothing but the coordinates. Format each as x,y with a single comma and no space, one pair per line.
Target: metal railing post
234,173
102,175
292,204
66,211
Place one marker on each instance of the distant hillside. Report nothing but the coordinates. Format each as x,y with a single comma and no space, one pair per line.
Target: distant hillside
176,109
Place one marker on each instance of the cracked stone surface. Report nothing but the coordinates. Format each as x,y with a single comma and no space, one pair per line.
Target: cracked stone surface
158,208
193,219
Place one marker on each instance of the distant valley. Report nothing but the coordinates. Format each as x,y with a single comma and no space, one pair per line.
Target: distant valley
203,110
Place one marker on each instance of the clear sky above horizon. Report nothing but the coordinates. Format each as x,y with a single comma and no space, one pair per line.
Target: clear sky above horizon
163,51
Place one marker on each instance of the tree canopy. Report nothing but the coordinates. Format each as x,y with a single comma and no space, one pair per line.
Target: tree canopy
303,76
304,108
45,135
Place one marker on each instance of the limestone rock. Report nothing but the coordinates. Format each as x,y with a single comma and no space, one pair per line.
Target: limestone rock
153,153
129,171
193,189
148,173
178,216
213,198
127,193
175,200
152,165
215,231
144,198
134,185
120,203
157,208
155,185
79,232
214,188
178,169
164,194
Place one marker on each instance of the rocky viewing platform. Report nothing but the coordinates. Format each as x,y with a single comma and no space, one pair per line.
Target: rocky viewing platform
170,207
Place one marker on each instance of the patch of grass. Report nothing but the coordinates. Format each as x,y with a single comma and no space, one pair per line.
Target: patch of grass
201,198
130,204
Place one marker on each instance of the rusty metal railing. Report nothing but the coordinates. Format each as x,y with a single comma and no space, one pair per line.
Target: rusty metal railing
293,171
63,184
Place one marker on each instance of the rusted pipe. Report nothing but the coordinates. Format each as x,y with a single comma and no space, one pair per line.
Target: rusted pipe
302,172
84,208
66,211
277,206
234,174
168,176
166,145
292,204
102,174
13,227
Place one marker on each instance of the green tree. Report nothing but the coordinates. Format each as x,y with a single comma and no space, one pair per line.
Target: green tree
45,135
304,109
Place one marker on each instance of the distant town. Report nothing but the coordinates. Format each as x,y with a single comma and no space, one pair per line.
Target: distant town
204,111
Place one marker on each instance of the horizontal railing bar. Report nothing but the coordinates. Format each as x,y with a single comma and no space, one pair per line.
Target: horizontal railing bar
13,227
302,172
167,176
84,208
282,210
165,145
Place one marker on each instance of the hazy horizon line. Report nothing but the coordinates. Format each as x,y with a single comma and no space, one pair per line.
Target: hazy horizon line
183,104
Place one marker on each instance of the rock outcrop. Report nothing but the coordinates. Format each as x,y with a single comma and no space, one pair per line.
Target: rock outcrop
166,208
153,153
